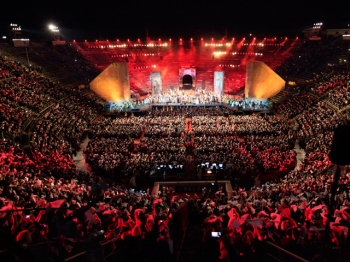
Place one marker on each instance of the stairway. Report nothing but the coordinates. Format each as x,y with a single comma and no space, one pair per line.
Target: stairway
192,245
191,249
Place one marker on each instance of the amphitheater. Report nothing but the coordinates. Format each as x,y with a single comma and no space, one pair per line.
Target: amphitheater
229,178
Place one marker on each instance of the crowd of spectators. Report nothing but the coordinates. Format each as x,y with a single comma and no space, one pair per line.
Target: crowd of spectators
340,97
80,64
126,216
130,154
333,77
263,143
290,212
122,127
309,55
12,118
26,94
256,143
108,154
169,126
19,94
296,103
295,205
319,119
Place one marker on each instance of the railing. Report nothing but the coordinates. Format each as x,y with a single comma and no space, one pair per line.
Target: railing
344,108
8,78
277,253
335,108
31,209
82,256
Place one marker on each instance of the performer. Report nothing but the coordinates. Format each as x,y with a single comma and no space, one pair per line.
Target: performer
156,88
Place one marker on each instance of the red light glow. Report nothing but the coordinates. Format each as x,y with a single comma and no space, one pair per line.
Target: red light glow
231,56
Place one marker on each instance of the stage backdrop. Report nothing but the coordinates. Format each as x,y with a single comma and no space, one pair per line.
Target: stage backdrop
187,76
113,83
261,81
218,83
156,81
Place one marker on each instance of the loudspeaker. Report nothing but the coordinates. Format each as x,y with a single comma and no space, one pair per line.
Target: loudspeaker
340,149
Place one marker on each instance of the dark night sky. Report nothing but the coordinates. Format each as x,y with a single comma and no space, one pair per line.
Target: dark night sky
130,18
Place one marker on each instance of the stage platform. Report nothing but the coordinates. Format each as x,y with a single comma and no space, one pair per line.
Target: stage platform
148,107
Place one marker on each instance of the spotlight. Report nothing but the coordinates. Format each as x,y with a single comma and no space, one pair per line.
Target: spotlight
52,27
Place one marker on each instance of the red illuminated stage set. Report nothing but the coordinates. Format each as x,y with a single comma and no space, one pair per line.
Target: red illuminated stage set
187,72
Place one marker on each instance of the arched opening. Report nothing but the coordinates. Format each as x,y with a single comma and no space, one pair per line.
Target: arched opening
187,82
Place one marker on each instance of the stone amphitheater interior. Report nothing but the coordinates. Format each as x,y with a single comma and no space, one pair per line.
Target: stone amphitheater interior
196,149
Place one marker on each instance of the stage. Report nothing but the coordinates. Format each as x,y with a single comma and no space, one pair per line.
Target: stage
149,107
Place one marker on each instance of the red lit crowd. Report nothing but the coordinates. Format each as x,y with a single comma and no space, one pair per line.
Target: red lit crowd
129,218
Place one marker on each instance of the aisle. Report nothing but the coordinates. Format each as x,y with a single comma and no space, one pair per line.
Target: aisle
193,249
192,245
188,124
137,141
189,156
300,154
79,159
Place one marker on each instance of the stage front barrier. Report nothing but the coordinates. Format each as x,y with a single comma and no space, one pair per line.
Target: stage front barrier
261,81
158,185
